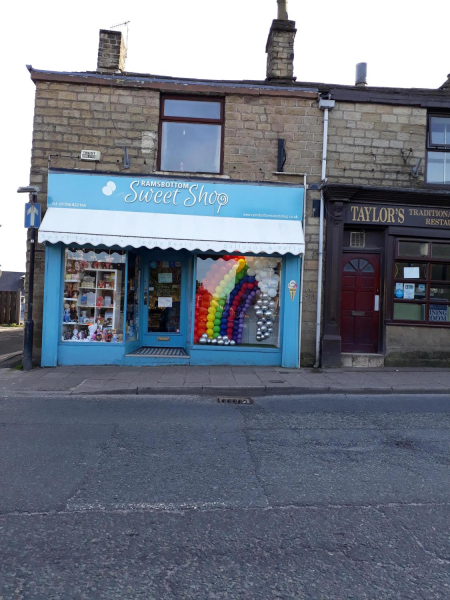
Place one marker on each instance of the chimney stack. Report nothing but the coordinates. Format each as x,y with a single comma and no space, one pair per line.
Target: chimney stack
361,75
111,52
280,47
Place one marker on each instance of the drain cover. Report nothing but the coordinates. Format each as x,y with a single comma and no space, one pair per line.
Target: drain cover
224,400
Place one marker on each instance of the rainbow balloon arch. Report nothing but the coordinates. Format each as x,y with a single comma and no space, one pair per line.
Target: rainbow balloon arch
226,293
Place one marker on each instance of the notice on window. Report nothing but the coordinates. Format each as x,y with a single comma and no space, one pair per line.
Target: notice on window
411,273
408,290
399,290
164,277
438,313
164,302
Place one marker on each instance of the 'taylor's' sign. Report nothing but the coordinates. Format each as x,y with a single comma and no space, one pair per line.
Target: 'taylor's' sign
397,215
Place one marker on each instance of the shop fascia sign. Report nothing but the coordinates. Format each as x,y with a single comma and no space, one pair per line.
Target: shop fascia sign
410,216
174,196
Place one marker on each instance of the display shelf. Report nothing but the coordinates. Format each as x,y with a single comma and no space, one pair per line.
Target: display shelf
99,292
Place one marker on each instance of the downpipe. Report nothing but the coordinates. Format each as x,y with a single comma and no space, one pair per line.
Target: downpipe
325,104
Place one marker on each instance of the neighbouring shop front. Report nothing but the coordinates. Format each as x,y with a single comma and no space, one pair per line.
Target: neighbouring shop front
143,271
387,282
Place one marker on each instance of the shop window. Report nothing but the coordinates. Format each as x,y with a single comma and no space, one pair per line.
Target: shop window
237,301
421,287
415,249
191,134
93,302
438,149
132,319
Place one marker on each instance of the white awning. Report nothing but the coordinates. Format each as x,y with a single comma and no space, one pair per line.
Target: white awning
151,230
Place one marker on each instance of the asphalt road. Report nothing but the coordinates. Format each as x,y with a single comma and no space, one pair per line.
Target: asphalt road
11,339
183,498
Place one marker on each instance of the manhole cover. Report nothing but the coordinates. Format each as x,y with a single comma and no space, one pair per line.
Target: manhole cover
225,400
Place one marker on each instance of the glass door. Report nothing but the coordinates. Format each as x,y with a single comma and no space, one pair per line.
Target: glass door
164,301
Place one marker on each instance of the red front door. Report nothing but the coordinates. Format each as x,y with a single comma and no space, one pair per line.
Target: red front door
360,302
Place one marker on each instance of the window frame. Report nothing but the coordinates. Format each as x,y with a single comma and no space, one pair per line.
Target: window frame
196,120
427,280
435,147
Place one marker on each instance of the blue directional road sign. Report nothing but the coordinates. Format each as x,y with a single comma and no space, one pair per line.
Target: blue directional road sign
32,215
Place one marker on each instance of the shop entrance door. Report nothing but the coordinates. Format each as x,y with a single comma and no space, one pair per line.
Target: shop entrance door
360,302
164,298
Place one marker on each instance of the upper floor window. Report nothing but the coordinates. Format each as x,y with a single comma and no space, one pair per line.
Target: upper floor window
191,132
438,149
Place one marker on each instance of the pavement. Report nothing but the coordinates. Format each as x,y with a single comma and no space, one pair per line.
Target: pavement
151,498
223,381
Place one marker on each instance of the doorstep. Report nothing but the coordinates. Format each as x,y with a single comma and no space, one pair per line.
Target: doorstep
148,356
349,359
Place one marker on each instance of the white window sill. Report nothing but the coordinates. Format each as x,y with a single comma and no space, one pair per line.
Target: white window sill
188,174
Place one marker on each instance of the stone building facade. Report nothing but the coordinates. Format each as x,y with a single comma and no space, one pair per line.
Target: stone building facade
89,110
377,160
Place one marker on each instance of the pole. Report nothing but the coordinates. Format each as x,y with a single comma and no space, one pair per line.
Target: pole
29,324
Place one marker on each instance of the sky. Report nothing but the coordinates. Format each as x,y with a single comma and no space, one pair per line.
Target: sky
399,39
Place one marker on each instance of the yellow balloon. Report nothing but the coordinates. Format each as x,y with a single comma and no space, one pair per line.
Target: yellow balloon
211,310
214,303
241,264
210,318
216,296
210,332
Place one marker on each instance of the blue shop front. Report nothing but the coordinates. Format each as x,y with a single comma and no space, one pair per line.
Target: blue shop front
144,270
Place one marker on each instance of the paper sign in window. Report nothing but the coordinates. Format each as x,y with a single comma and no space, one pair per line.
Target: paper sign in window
411,273
164,277
409,291
164,302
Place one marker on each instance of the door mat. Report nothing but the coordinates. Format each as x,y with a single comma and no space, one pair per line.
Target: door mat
153,351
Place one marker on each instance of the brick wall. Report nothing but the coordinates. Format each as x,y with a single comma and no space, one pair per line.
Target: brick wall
69,117
366,143
411,346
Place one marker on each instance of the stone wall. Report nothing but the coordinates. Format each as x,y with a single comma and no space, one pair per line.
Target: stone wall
417,346
366,143
70,117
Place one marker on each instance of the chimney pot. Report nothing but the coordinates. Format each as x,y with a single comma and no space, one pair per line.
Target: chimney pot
111,52
361,75
282,10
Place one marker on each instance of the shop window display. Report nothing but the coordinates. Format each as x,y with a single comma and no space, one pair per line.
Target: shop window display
93,299
237,301
421,287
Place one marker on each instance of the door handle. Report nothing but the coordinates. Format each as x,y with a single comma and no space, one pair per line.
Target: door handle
358,313
376,306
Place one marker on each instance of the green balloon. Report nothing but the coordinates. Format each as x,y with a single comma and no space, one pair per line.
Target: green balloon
216,328
216,321
239,276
